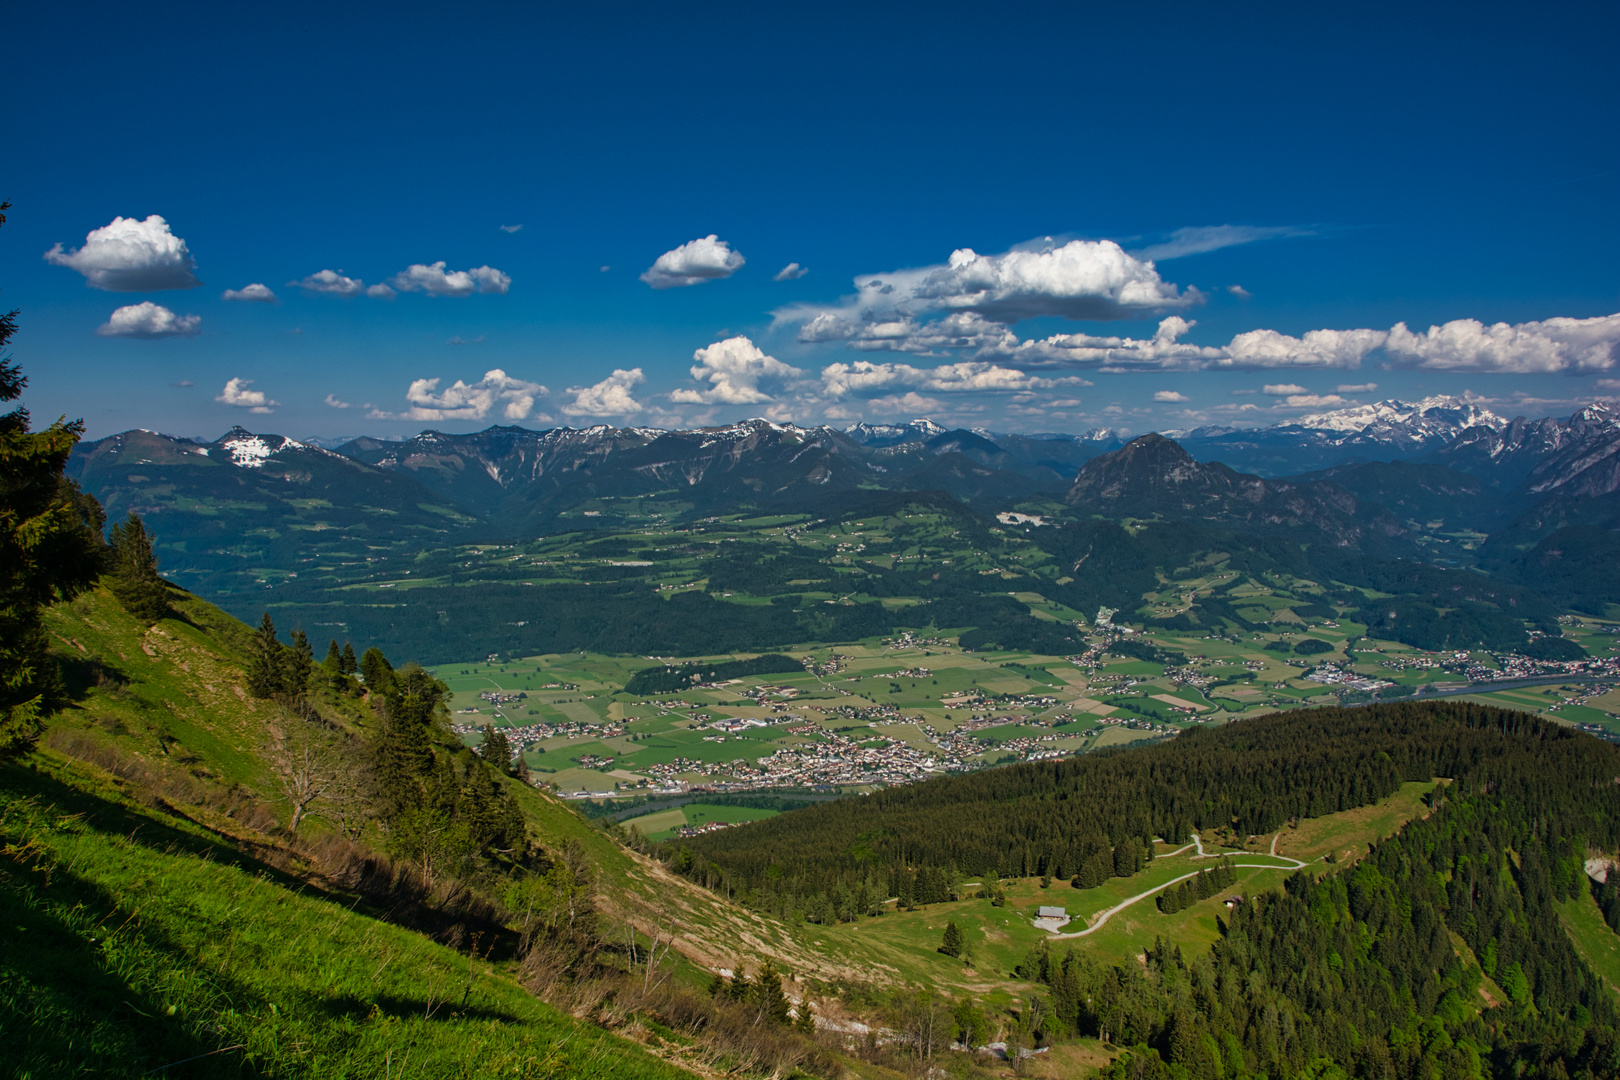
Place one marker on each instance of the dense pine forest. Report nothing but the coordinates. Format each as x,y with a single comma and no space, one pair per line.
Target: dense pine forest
1372,970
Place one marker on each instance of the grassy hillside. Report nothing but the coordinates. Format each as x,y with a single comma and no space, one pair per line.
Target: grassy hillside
137,939
154,809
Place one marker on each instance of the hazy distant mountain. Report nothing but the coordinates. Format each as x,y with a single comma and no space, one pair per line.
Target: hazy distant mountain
893,434
1421,493
1152,476
1383,431
226,511
1436,466
520,479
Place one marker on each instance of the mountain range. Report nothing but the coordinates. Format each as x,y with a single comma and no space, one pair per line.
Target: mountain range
1440,479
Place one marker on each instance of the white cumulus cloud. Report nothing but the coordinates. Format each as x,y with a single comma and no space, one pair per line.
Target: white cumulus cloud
694,262
511,228
253,294
467,401
1560,345
334,402
1316,349
380,292
1356,388
434,280
237,395
1283,389
129,255
733,369
1170,396
791,272
1083,279
898,311
841,380
610,397
149,320
1163,351
963,330
330,281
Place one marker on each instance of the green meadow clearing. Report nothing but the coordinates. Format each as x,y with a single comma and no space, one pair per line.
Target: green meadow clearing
663,824
906,942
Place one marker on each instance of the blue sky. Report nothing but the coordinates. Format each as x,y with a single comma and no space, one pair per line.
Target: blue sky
1162,217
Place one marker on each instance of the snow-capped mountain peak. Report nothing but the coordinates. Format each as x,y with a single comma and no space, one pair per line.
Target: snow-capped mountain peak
1393,419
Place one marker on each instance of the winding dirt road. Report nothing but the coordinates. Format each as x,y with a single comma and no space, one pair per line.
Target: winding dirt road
1102,917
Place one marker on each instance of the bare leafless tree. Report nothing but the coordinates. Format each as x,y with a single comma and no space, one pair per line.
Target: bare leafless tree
307,766
653,956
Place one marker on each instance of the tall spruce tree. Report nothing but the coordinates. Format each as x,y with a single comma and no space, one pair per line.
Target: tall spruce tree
407,773
768,995
350,664
297,664
497,749
952,945
334,659
50,550
375,670
265,670
132,575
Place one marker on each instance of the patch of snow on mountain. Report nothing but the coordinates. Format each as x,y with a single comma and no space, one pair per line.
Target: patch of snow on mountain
249,452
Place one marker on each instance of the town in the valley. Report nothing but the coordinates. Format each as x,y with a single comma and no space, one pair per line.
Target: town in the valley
864,716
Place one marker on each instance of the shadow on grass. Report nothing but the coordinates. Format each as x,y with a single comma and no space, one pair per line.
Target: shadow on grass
89,988
65,1010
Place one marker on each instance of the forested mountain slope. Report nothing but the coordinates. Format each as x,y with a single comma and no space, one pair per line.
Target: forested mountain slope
1374,970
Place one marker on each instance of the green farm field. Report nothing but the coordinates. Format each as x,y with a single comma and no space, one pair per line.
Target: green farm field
664,824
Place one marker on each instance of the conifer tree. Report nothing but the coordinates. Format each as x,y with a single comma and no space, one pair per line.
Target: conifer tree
297,664
334,659
805,1022
768,995
1127,860
952,945
350,664
375,670
497,750
50,550
406,770
264,662
133,574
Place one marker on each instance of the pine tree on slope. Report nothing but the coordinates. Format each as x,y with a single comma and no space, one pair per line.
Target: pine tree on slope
50,550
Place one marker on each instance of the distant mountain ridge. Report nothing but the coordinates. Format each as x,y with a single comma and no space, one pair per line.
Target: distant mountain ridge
1386,475
1382,431
1152,476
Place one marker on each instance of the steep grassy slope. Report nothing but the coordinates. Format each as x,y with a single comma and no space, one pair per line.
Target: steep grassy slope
136,940
155,800
173,698
161,912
